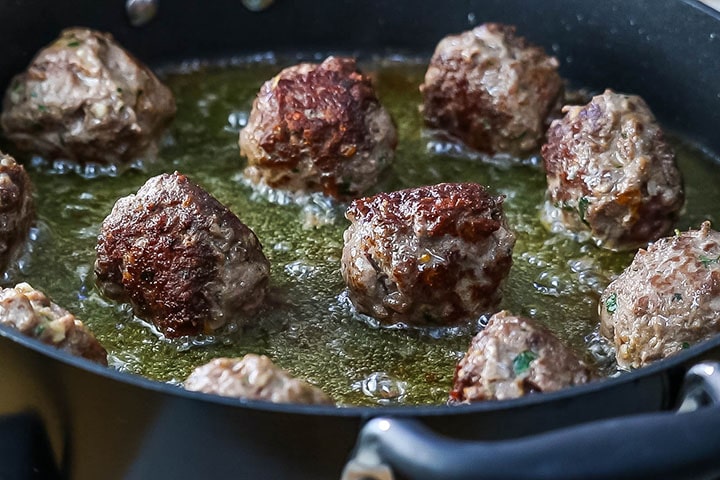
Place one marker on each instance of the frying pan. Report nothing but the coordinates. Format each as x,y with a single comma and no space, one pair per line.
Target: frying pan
63,417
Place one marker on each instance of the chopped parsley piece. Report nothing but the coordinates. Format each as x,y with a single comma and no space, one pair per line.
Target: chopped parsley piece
583,204
707,261
685,345
677,297
522,362
42,108
611,303
39,330
74,43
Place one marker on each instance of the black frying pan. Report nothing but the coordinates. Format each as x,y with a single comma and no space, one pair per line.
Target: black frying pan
68,418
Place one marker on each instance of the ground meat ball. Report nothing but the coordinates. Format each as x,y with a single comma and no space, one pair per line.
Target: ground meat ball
183,260
84,98
514,356
254,377
492,90
318,128
432,255
610,171
666,300
33,314
17,211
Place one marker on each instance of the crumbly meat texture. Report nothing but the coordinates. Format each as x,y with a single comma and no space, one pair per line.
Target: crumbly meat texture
666,300
611,171
318,128
253,377
17,210
183,260
492,90
33,314
427,256
84,98
514,356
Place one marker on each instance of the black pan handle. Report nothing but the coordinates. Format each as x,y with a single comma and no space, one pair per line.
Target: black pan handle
669,445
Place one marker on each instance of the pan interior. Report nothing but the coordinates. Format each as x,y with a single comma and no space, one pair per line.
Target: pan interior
308,326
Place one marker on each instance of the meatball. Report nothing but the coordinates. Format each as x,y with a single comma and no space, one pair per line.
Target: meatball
514,356
491,90
610,171
84,98
666,300
17,212
254,377
183,260
318,128
33,314
427,256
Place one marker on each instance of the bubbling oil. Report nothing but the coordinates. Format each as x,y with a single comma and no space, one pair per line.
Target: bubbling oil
308,326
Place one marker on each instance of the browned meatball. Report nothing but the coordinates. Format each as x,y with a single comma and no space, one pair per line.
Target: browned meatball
611,172
254,377
492,90
514,356
433,255
33,314
666,300
84,98
318,128
183,260
17,211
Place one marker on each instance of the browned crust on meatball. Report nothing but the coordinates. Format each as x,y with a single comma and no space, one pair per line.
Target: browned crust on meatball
492,90
318,128
434,255
17,210
253,377
182,259
84,98
611,171
666,300
33,314
515,356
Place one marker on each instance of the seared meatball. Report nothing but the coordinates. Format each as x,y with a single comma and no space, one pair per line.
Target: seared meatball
33,314
432,255
666,300
254,377
17,211
492,90
610,171
183,260
318,128
84,98
514,356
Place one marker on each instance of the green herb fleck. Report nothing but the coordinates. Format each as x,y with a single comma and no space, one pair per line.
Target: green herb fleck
707,261
74,43
522,362
611,303
42,108
583,204
685,345
677,297
119,90
39,330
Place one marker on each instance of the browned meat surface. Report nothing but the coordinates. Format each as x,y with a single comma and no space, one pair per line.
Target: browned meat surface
433,255
514,356
183,260
17,211
84,98
318,128
492,90
33,314
254,377
610,171
666,300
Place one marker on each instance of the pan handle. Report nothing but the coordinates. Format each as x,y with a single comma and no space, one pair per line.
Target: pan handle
669,445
